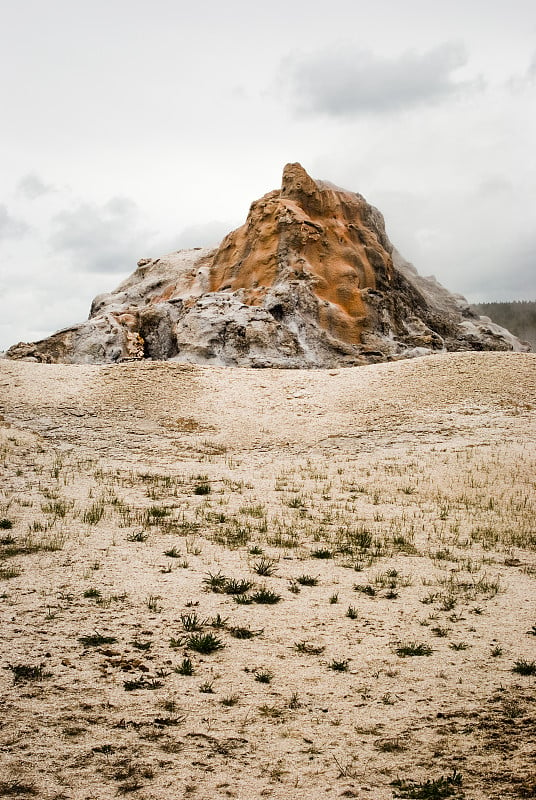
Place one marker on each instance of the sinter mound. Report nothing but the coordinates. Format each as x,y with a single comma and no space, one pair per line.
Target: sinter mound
310,280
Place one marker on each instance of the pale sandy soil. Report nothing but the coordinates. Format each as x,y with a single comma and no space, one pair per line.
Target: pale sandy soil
418,479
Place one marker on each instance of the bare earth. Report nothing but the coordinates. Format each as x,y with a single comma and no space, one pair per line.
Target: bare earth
407,490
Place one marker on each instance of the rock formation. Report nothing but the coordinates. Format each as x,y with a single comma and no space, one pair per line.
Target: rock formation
310,280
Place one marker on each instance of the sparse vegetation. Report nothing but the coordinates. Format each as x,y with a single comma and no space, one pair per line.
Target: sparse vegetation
321,552
93,593
205,643
263,675
265,566
230,700
28,672
142,683
139,536
437,789
369,590
186,667
96,640
414,649
192,622
339,665
265,596
524,667
307,580
241,632
215,582
310,649
237,586
446,522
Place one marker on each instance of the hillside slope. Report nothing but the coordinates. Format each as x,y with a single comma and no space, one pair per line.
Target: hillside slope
378,524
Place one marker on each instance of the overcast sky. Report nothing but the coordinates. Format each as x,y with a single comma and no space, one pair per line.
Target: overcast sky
132,128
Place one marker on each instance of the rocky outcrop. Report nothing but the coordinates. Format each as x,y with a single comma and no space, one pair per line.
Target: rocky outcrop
310,280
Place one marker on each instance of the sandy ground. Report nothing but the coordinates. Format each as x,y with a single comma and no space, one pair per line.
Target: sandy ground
392,509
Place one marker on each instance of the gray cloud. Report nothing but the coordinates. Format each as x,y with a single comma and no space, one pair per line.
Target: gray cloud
31,187
10,227
531,72
349,82
523,81
105,238
511,272
203,235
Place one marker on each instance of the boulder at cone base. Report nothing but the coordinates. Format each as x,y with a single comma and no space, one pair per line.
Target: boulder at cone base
310,280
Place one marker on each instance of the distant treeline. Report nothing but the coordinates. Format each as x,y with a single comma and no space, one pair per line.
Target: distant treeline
518,316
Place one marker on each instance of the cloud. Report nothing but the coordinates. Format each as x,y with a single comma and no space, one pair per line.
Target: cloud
101,238
10,227
521,82
31,187
531,72
348,82
511,271
209,234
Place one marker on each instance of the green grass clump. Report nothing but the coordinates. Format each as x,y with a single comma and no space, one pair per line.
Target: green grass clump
230,700
263,675
310,649
369,590
264,595
94,514
205,643
321,553
244,633
307,580
155,513
185,667
243,599
265,566
92,592
6,524
9,572
215,582
339,666
191,622
141,645
218,621
237,586
524,667
27,672
141,536
142,683
96,640
440,631
17,789
414,649
430,789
